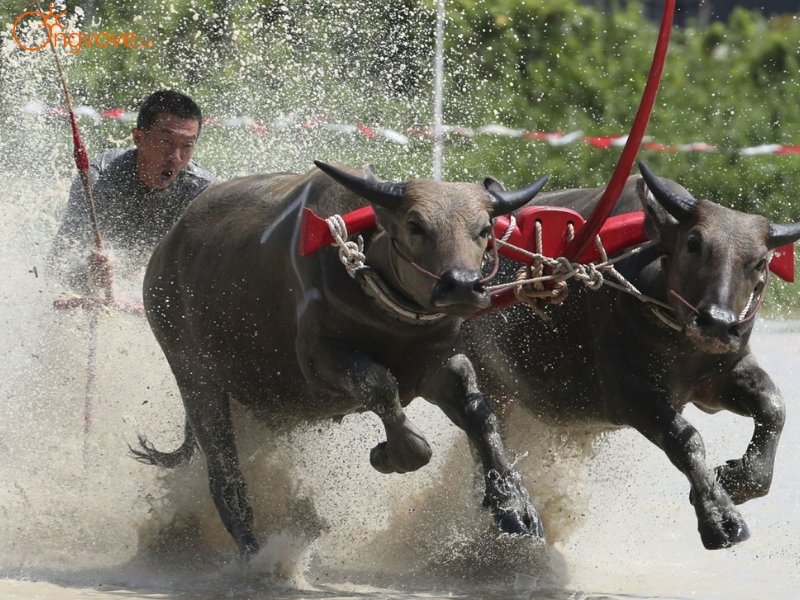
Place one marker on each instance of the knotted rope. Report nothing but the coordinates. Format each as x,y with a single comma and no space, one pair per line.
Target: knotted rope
350,253
530,281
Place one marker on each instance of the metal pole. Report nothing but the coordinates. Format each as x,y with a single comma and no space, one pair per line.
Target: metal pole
438,92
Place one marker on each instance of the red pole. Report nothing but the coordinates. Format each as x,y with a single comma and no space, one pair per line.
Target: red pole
81,159
586,235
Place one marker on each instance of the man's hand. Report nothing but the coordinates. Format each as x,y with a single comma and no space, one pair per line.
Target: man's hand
101,271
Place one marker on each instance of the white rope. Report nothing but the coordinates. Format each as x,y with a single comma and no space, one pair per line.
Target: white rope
350,253
418,317
592,275
512,225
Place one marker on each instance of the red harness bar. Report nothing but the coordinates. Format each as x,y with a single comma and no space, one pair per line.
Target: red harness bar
616,233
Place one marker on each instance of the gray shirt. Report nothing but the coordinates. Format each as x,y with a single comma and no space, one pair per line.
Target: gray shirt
131,218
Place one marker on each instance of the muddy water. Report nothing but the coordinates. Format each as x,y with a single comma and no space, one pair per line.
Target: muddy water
80,518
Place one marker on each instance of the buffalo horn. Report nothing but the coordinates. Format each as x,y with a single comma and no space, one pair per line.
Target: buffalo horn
504,202
388,195
679,206
780,235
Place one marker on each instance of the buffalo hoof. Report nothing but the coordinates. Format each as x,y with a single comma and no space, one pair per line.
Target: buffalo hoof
248,549
719,522
386,460
511,505
379,459
716,536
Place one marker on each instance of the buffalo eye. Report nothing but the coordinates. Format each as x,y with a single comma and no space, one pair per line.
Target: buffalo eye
485,232
415,228
693,244
761,264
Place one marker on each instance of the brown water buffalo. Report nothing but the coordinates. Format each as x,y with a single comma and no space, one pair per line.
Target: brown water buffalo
240,315
607,360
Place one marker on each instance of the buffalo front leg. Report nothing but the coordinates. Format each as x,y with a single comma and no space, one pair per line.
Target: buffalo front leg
748,391
646,408
454,389
209,415
345,378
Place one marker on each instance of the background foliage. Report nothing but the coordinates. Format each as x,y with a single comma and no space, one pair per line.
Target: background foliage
531,64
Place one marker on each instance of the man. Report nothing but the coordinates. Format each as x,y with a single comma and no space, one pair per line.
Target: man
138,193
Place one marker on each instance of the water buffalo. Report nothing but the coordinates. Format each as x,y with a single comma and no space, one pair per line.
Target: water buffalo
608,360
240,315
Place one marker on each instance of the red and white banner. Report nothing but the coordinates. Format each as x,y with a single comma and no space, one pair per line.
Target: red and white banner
557,138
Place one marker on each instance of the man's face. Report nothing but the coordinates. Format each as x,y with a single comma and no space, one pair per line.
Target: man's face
164,149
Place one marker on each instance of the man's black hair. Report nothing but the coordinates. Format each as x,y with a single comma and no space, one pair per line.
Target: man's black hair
167,101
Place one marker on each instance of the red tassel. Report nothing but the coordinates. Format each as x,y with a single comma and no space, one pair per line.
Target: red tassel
81,158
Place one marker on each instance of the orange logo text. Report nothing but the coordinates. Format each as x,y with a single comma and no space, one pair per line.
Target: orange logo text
33,30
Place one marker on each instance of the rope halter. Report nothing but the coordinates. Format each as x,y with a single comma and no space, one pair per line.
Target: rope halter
746,314
496,258
352,256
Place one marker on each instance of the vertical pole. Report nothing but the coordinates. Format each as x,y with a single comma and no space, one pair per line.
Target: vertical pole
704,14
438,92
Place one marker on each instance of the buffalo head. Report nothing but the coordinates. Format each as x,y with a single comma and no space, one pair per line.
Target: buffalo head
714,260
436,234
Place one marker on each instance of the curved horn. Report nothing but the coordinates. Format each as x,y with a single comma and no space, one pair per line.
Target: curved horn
679,206
780,235
388,195
505,202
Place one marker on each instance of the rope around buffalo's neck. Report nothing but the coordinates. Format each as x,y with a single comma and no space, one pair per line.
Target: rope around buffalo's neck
352,256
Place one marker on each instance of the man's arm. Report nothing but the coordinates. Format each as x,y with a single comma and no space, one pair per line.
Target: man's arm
74,241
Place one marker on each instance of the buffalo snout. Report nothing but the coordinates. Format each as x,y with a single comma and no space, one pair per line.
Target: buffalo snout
715,329
460,292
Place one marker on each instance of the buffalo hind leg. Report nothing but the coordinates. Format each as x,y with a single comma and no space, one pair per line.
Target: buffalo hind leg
209,413
336,372
719,522
454,389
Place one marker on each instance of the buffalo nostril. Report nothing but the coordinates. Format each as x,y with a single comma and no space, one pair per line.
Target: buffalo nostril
718,320
461,290
462,279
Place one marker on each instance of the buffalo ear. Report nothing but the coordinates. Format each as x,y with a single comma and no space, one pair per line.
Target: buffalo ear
370,174
658,223
495,185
